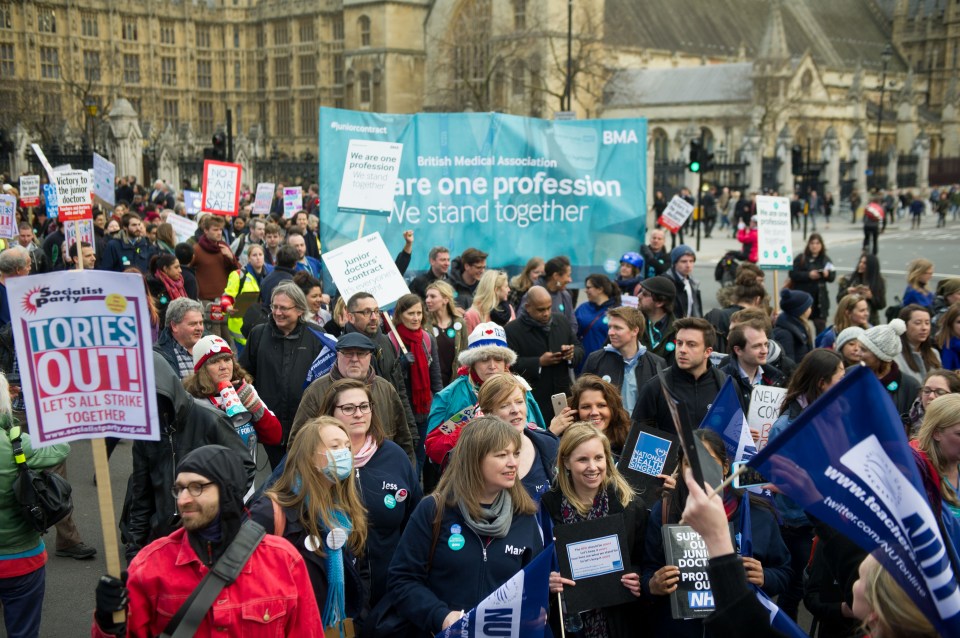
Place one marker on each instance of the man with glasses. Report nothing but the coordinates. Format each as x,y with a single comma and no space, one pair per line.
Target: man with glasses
149,509
354,356
272,593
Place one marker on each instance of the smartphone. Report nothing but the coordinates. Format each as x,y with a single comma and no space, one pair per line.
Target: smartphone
559,402
749,478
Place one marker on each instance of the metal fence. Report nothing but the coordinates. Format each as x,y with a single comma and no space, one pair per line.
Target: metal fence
907,171
768,179
944,170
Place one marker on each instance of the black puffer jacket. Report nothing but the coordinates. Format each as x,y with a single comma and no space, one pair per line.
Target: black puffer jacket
609,366
149,509
792,336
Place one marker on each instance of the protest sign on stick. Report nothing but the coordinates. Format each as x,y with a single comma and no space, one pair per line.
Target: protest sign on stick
43,160
183,228
774,241
8,216
86,365
73,195
221,188
29,190
50,197
104,176
264,198
292,201
365,265
369,177
676,213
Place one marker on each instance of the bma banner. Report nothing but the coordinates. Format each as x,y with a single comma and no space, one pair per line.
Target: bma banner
514,187
846,461
85,353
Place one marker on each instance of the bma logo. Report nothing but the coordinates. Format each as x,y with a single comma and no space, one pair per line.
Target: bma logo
700,599
620,137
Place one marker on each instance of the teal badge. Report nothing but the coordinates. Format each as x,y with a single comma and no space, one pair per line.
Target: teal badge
456,541
671,346
390,501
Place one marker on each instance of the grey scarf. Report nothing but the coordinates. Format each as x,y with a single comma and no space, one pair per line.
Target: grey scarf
496,519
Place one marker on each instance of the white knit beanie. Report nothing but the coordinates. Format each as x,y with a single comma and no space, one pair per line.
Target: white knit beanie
207,347
487,339
884,341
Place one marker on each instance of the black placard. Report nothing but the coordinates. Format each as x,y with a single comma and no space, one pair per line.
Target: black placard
603,589
685,548
647,453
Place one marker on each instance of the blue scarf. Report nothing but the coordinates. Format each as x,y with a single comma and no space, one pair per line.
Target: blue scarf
334,610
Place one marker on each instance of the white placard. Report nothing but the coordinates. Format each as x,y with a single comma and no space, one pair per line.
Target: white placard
29,190
369,177
8,216
264,198
292,201
104,176
183,228
365,265
675,214
221,188
765,402
73,195
774,240
595,557
85,353
80,230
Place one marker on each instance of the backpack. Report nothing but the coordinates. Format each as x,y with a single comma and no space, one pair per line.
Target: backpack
44,496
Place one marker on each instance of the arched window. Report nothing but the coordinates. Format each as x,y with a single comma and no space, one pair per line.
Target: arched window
363,26
518,77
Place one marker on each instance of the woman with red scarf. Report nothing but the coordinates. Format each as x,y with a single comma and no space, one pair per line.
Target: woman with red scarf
165,283
422,368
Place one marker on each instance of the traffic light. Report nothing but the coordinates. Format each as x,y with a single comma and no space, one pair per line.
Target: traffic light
219,146
706,160
696,155
796,159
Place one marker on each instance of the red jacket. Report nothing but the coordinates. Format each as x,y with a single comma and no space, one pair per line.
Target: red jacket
272,596
749,237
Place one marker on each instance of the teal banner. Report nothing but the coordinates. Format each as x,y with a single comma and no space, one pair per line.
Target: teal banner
511,186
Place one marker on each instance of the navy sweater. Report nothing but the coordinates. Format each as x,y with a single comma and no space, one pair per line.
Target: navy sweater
457,579
390,491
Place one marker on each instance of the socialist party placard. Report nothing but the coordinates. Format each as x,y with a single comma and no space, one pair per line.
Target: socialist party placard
84,348
515,187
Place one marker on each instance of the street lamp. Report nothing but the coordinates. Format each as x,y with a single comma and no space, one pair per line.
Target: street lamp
886,56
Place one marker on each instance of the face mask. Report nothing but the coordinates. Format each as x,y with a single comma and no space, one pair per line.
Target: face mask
339,464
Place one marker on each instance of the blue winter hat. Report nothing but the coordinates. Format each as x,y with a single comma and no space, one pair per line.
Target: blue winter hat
679,252
794,302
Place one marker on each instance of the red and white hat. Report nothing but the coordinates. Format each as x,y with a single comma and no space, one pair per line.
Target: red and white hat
207,347
487,339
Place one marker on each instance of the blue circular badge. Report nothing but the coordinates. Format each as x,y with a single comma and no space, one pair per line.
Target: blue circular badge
455,529
560,307
671,346
893,386
605,320
390,501
455,542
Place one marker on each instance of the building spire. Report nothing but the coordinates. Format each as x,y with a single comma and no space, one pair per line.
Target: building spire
773,46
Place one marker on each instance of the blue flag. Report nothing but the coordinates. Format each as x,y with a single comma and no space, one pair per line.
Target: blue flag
518,608
725,417
778,620
846,461
325,360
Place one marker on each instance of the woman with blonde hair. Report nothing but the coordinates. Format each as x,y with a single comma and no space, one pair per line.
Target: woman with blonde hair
919,274
490,301
316,506
520,284
937,441
445,320
885,610
852,310
504,396
589,487
479,522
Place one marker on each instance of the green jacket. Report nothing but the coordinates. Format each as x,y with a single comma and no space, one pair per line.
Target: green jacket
16,535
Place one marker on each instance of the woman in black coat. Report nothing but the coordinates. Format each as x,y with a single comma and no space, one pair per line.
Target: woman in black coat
812,270
588,487
793,330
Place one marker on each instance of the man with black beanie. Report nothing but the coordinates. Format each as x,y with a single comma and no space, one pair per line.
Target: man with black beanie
273,587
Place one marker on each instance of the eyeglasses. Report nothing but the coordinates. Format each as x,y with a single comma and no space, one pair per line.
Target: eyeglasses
366,313
937,391
195,489
351,408
354,354
282,309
